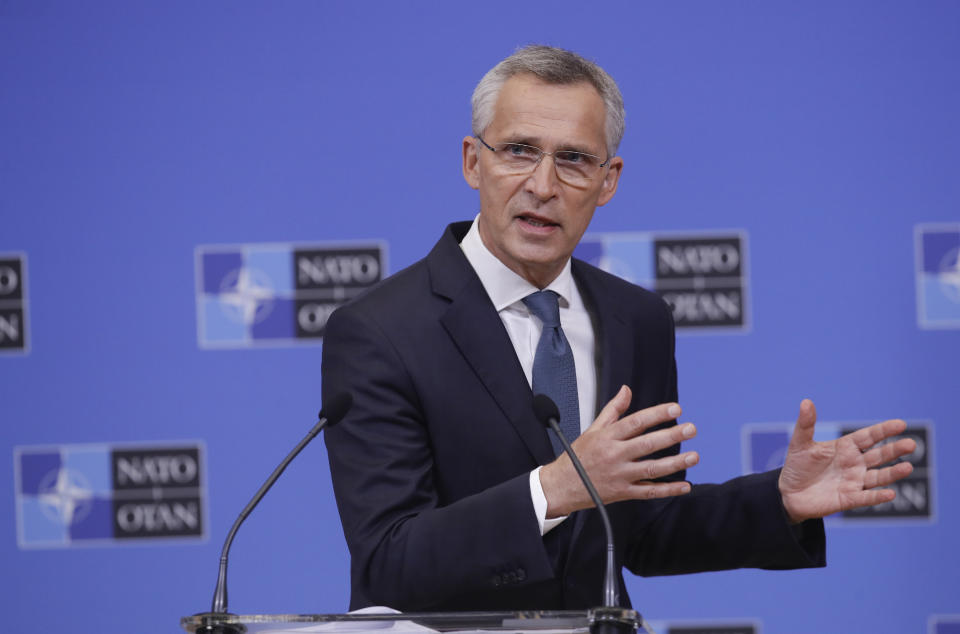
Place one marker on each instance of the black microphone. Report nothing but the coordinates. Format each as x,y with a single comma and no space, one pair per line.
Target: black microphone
335,409
611,618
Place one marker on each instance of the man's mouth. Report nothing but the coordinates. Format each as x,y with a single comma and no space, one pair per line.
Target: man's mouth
537,221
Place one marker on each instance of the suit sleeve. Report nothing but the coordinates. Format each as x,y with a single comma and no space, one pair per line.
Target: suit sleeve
737,524
409,549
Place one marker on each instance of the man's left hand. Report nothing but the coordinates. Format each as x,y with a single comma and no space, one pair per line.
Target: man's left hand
821,478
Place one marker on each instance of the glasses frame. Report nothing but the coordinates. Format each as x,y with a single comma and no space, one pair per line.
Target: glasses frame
545,153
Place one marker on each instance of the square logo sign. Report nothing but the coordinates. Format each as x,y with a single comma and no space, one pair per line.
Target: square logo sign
938,275
702,276
764,447
253,295
77,495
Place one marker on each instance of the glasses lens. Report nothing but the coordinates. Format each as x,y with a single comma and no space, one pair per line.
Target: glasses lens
576,167
517,157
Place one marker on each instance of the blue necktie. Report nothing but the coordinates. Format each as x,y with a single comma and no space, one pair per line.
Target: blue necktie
554,372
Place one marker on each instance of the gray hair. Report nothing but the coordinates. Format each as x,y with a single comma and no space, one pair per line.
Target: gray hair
553,66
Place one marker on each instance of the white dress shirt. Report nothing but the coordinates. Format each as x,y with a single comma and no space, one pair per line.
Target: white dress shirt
506,290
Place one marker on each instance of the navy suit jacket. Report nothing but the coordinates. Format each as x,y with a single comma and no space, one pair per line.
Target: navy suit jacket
430,467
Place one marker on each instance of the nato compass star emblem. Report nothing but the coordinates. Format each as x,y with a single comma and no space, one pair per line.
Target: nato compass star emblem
246,295
938,275
65,496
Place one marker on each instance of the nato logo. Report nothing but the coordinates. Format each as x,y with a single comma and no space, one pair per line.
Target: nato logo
13,303
77,495
764,447
938,275
255,295
701,277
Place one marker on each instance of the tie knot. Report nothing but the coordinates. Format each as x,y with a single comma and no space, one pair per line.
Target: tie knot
546,306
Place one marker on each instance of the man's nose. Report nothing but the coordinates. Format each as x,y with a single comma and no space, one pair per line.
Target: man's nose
543,182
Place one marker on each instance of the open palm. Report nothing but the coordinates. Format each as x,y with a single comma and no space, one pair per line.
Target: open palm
821,478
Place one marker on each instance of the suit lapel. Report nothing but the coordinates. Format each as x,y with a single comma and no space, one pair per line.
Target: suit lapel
614,350
476,329
614,342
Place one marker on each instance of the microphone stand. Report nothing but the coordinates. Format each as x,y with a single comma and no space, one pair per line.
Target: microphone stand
212,622
610,618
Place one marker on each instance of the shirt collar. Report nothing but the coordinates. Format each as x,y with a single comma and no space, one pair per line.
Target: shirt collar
505,287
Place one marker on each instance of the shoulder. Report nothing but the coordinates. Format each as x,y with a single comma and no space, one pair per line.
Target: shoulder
395,289
416,293
385,303
604,289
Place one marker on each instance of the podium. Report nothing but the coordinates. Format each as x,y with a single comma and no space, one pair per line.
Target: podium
535,622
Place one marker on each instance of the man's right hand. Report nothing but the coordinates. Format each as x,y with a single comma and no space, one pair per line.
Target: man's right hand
612,451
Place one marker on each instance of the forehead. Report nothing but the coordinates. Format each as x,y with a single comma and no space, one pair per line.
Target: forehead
553,115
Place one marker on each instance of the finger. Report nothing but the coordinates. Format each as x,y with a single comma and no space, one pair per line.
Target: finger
889,452
656,490
870,498
638,422
883,477
806,420
654,441
614,408
869,436
646,470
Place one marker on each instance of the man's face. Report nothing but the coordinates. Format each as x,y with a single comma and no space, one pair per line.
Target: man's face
532,222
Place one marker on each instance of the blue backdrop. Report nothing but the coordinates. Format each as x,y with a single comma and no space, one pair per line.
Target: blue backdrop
133,132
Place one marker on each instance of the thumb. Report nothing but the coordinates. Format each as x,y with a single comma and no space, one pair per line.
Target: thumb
803,430
615,407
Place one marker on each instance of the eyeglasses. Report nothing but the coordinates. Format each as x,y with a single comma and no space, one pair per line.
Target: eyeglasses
575,168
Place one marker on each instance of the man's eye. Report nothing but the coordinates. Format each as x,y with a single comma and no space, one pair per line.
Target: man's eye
519,150
569,156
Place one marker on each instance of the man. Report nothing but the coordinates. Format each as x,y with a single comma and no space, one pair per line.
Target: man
437,468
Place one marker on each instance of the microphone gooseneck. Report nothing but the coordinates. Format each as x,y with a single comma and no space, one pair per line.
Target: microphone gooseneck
335,409
548,414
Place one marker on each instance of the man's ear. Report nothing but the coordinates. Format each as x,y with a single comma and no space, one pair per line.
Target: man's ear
610,180
471,172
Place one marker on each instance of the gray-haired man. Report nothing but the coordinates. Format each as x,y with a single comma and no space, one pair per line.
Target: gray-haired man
451,494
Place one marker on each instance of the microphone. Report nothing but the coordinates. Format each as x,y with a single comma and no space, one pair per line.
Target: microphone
335,409
611,618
